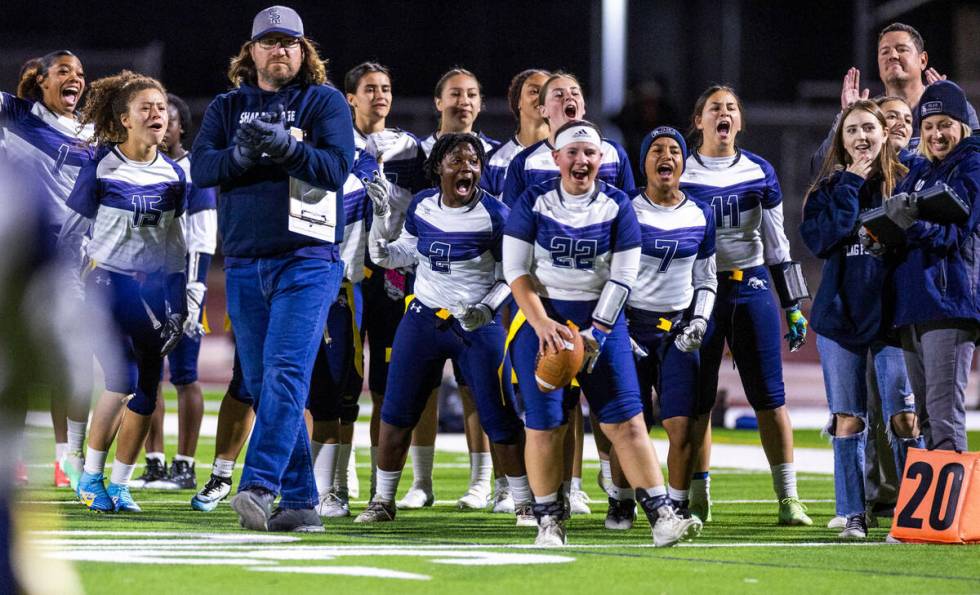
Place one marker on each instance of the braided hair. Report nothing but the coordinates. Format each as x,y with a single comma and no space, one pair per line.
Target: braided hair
445,145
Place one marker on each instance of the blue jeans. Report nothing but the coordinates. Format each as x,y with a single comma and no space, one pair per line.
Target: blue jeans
844,373
278,308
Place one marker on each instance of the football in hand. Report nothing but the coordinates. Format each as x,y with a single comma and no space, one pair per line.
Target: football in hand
556,370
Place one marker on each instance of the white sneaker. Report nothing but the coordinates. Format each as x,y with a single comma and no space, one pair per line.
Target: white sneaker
503,501
671,528
416,498
334,504
525,515
477,497
838,522
551,532
578,502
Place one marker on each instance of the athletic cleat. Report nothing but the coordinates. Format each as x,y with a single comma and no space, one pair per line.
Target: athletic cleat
477,497
377,511
213,492
838,522
525,515
295,520
700,509
60,479
72,464
503,501
154,472
91,491
416,498
254,507
182,477
122,499
621,514
670,528
856,527
334,504
578,502
551,532
793,512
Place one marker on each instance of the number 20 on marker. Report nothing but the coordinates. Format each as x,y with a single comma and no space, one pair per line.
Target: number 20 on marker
939,501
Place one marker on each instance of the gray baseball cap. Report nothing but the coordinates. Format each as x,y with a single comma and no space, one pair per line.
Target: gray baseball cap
277,19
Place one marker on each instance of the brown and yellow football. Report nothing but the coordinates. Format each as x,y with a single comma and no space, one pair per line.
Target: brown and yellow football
556,370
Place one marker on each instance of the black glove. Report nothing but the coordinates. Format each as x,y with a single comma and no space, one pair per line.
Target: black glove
871,244
172,331
271,136
245,153
902,210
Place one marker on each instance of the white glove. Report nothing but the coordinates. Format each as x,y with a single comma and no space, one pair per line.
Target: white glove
378,250
475,316
690,339
594,340
379,192
638,350
195,301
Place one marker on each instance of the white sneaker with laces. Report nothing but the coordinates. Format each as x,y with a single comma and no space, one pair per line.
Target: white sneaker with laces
838,522
503,501
578,502
671,528
477,497
334,504
416,497
551,532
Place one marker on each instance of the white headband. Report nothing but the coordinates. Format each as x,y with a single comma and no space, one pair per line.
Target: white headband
577,134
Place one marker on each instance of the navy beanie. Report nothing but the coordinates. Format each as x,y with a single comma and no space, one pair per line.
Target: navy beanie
654,135
944,97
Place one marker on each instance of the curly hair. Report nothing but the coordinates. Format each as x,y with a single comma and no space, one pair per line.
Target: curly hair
313,70
109,99
444,145
28,85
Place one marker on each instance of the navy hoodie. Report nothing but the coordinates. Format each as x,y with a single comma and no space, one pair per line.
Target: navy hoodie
253,206
850,306
939,275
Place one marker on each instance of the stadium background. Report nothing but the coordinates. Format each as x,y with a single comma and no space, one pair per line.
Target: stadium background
643,63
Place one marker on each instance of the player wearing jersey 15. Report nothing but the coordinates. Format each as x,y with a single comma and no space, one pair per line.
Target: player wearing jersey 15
668,311
459,99
571,254
522,98
743,191
40,136
453,233
200,224
129,198
850,312
400,157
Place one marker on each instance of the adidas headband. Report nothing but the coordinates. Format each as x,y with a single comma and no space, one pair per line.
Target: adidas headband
577,134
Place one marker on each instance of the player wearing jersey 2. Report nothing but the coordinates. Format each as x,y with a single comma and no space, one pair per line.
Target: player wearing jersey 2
369,92
200,225
40,134
571,254
522,99
453,233
129,197
668,312
742,190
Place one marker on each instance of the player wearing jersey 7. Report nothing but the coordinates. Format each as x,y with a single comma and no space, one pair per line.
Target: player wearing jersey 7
571,254
743,191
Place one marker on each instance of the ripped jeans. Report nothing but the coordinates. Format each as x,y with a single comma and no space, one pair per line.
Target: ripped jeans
844,370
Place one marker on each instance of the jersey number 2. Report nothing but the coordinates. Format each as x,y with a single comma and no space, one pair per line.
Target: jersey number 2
439,257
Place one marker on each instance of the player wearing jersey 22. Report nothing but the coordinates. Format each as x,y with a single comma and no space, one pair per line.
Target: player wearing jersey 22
453,233
130,197
571,253
743,191
668,312
40,136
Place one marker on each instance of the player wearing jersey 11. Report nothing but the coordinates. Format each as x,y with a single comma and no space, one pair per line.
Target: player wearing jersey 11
571,254
522,98
668,312
200,225
400,157
129,198
453,233
40,136
742,190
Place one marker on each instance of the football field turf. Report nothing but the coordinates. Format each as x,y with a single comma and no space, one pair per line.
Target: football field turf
170,548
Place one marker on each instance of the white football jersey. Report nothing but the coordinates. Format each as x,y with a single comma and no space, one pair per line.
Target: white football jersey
495,172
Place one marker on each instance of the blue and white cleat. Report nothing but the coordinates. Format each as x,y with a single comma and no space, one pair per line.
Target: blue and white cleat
122,499
91,491
216,490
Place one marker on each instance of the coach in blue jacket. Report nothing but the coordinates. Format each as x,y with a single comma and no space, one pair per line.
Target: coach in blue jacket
280,283
936,306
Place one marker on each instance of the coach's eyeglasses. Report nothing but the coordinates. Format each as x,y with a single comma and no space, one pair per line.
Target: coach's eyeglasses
286,43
